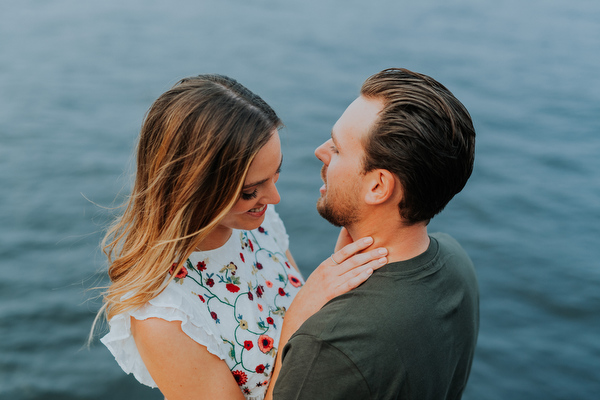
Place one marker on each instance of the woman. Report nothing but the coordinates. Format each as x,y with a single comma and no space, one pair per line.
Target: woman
201,275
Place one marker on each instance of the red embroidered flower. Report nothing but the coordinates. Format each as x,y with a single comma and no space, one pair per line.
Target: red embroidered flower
232,288
210,282
260,290
250,244
269,284
250,296
201,266
213,315
260,368
282,292
270,321
259,266
294,281
202,298
182,272
287,265
261,229
248,345
242,257
240,377
265,343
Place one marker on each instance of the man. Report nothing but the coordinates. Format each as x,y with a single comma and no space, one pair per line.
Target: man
396,157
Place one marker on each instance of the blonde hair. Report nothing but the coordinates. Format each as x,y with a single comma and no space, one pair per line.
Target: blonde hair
195,147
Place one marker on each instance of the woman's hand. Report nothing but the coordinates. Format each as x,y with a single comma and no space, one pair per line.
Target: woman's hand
338,274
343,239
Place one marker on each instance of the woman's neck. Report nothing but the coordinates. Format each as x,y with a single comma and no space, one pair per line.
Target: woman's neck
215,239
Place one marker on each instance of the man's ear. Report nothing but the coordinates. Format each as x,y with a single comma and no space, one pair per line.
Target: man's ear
382,185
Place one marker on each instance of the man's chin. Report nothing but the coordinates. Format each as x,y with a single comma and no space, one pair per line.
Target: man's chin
326,213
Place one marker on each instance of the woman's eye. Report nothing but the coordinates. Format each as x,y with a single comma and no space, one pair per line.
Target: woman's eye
333,148
249,196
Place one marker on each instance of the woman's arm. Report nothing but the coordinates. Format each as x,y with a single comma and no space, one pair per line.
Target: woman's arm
182,368
329,280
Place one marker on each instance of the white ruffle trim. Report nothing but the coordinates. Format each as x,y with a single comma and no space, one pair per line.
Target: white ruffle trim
170,305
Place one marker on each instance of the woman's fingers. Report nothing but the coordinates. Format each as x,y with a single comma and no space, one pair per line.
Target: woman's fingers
343,239
351,249
361,259
356,276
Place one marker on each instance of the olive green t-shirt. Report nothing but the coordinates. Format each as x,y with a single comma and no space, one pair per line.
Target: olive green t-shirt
408,332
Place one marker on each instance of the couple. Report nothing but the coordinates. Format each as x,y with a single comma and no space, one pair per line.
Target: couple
201,275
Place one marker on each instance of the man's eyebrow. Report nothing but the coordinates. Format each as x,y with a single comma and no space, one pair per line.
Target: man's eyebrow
264,180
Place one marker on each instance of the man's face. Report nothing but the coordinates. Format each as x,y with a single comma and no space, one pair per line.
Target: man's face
342,156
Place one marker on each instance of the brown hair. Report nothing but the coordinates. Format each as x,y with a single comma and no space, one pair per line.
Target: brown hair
423,135
195,147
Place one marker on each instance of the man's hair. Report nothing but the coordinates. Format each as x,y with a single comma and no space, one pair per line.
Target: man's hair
424,136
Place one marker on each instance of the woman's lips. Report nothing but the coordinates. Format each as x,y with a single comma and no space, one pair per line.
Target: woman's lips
257,212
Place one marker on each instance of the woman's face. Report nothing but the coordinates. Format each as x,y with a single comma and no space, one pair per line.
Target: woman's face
259,188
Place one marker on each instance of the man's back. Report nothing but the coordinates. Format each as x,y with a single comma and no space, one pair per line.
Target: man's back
409,332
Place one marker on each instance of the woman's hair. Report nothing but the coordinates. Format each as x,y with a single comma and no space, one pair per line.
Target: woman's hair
195,147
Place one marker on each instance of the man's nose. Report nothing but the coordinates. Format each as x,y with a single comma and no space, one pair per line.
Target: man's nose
322,154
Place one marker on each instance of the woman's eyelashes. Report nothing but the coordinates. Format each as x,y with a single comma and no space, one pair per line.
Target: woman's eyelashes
250,196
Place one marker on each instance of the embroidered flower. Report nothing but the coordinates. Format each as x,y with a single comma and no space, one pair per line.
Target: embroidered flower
250,244
201,266
259,291
242,257
243,324
231,267
282,292
294,281
287,265
250,296
259,266
269,284
240,377
232,288
260,307
201,298
214,316
265,343
248,344
210,282
182,272
260,368
246,391
270,321
261,229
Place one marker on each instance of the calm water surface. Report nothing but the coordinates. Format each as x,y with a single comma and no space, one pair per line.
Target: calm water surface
76,78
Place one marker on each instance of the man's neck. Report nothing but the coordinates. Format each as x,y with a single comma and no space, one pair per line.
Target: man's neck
402,241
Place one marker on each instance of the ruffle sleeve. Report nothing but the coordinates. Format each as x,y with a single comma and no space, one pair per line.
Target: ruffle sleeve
274,222
171,305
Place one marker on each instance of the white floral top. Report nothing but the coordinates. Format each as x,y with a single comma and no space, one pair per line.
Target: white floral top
231,300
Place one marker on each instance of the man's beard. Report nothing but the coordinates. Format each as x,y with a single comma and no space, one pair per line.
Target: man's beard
338,212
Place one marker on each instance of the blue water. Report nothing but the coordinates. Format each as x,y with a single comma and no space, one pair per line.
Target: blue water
76,78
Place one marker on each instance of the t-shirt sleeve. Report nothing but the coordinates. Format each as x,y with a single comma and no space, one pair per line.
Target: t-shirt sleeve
275,224
314,369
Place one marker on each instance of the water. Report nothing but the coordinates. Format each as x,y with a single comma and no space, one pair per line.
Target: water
76,78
